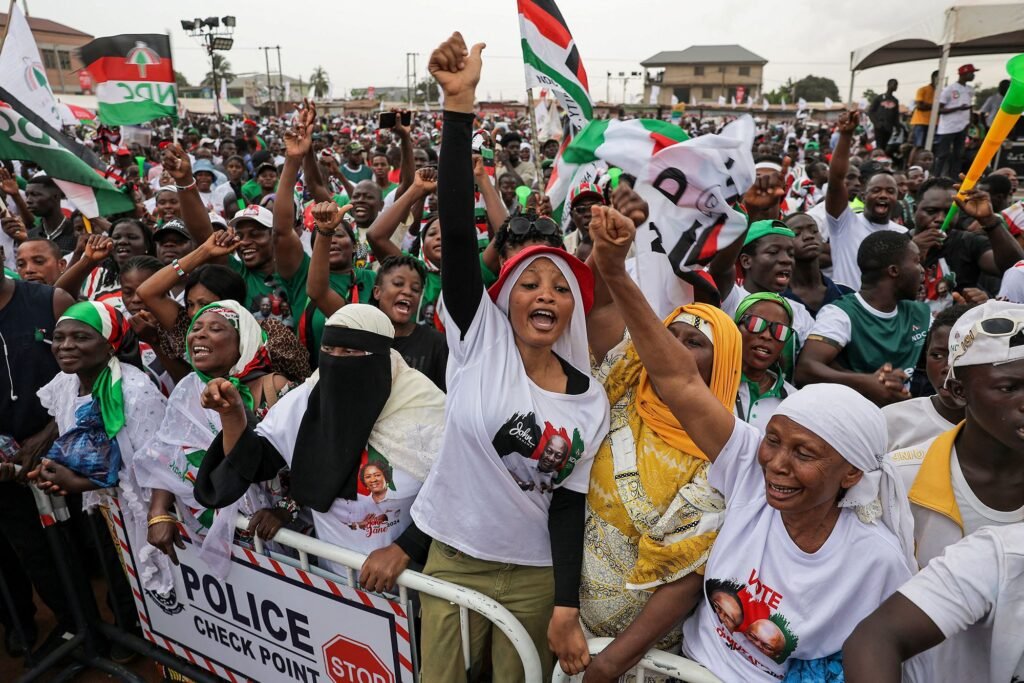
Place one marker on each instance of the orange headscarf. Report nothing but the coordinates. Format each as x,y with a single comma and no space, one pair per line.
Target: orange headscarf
725,378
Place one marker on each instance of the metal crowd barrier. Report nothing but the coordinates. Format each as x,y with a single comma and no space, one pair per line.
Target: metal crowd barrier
654,662
83,648
465,598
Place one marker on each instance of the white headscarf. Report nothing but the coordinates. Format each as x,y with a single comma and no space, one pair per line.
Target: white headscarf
856,428
411,423
572,345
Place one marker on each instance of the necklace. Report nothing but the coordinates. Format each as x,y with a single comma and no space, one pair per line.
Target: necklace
60,228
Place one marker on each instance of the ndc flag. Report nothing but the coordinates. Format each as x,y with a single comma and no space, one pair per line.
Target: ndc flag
134,77
552,59
25,137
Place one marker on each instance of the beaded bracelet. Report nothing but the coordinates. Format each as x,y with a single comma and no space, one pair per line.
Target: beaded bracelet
326,233
182,188
177,268
290,506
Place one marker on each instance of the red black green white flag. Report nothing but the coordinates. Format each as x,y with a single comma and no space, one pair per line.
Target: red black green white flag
134,77
552,59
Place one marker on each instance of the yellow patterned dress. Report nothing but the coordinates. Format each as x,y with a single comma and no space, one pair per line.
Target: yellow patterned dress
651,514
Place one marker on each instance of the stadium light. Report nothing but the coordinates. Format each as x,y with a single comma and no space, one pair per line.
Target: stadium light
212,22
222,43
228,21
214,36
188,24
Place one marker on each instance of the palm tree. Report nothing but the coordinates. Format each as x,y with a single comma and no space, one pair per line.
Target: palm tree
320,82
221,70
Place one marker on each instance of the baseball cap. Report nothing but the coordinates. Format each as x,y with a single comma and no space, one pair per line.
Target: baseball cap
346,130
989,334
967,69
175,225
265,165
254,212
355,147
585,190
218,221
123,152
204,166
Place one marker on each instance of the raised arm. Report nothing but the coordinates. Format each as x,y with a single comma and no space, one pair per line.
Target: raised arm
327,217
97,249
288,251
383,228
669,363
1005,250
457,70
311,175
837,199
9,186
496,211
155,291
193,212
407,170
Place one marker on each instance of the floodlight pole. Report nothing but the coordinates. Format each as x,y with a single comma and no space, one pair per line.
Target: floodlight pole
213,71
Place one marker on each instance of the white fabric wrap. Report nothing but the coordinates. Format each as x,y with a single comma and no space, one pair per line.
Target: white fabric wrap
856,428
572,345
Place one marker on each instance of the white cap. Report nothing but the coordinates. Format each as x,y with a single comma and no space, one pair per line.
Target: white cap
988,334
254,212
217,219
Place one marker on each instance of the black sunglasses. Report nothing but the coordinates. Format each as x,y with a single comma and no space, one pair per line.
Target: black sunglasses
521,225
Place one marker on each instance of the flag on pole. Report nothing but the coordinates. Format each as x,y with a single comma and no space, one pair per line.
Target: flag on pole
829,103
764,103
552,59
783,101
224,89
655,91
134,77
84,187
693,100
801,105
23,73
721,100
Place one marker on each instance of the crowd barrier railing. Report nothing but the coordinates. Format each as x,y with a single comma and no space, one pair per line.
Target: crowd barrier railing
465,598
654,662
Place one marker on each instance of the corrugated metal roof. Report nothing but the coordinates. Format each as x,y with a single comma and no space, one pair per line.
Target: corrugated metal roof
705,54
37,24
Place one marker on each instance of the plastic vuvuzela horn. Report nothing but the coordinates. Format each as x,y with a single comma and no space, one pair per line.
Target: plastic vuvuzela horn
1009,111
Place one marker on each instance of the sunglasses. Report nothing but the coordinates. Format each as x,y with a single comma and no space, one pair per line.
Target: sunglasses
521,225
755,324
1000,327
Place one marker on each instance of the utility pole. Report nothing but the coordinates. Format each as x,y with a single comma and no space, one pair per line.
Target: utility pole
270,87
608,87
280,76
410,75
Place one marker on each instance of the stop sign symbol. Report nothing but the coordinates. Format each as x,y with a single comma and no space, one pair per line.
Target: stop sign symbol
349,661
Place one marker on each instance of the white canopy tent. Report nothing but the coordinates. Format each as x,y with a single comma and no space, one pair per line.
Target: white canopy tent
962,30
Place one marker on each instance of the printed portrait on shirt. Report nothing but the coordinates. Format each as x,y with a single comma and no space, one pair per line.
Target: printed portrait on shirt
538,459
749,620
374,509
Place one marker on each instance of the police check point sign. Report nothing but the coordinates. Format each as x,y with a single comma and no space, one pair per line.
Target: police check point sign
270,621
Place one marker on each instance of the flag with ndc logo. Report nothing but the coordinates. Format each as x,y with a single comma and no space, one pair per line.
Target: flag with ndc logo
134,77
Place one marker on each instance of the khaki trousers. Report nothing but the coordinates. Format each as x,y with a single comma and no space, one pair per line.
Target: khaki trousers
527,592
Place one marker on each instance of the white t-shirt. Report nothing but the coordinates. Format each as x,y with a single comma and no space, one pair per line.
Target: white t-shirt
764,595
974,593
803,321
913,421
472,499
1012,287
845,235
974,513
370,521
955,95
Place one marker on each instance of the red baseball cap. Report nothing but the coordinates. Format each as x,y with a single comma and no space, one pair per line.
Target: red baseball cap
586,190
967,69
584,277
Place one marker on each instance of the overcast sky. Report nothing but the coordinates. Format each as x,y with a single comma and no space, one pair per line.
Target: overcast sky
364,43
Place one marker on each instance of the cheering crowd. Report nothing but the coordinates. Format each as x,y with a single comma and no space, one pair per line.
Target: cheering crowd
380,333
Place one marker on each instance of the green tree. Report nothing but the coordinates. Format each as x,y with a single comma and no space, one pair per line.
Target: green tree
815,89
869,95
982,94
426,90
180,80
221,71
320,82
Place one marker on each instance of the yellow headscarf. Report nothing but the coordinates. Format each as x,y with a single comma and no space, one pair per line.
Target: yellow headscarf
725,378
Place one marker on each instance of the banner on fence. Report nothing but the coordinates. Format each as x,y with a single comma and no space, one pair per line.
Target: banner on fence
268,620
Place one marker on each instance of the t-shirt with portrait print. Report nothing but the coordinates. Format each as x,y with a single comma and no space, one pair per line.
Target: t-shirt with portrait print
507,445
766,601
